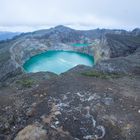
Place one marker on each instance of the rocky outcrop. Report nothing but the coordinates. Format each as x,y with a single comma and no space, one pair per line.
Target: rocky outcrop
122,45
124,54
7,66
32,132
129,64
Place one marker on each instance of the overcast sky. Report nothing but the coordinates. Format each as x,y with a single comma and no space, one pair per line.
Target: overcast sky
28,15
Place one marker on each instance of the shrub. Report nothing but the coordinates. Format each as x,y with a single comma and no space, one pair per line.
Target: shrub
26,82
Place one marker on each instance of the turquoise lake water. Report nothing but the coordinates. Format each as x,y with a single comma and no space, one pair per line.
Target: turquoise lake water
57,61
83,44
80,45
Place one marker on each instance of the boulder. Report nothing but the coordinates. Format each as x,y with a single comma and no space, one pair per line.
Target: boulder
32,132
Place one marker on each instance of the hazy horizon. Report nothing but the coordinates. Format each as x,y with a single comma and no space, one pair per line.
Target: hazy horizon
31,15
36,28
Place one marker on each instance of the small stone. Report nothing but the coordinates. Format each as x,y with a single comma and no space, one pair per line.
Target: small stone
76,139
52,126
37,85
57,122
34,104
57,113
30,112
7,107
41,95
110,89
35,95
6,125
139,111
108,101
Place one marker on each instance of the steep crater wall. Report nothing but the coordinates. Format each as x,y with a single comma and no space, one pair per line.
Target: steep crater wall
106,46
24,49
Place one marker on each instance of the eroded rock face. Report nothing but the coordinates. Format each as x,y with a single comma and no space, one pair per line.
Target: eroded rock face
129,64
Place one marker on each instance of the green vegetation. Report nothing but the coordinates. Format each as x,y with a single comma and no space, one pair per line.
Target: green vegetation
27,83
102,75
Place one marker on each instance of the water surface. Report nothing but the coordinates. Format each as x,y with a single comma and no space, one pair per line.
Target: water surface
80,45
57,61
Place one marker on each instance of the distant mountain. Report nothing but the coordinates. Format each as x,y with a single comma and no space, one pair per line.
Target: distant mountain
8,35
136,31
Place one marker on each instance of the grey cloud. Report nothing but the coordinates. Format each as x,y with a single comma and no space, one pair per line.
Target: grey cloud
93,13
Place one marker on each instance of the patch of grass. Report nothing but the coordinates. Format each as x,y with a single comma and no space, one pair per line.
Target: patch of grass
101,75
27,83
